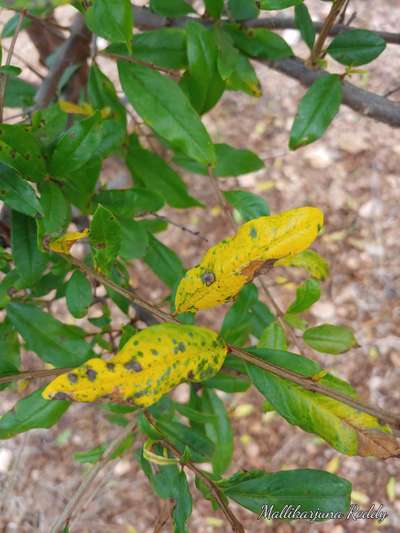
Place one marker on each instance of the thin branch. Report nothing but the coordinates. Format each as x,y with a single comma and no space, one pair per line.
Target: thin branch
180,226
131,59
221,198
3,76
74,503
317,51
33,374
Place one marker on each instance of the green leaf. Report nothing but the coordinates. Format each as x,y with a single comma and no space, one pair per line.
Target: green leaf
78,294
193,415
305,24
312,263
200,446
134,239
157,175
102,93
20,150
259,42
95,454
236,326
272,5
76,147
345,428
19,93
356,47
164,262
248,204
48,124
219,431
214,8
128,203
235,161
111,19
29,261
316,110
228,55
203,83
79,186
243,9
53,341
307,294
169,481
165,108
328,338
56,209
171,8
11,25
312,490
10,70
165,48
227,383
31,412
244,78
273,337
104,237
17,193
9,350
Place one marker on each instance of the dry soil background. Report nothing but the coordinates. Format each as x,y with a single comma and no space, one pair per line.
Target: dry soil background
353,175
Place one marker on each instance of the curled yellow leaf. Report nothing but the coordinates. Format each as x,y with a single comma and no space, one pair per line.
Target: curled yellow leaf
150,364
76,109
233,262
64,243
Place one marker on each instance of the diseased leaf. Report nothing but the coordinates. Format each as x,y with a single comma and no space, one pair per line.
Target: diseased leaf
150,364
17,193
105,237
307,294
29,413
312,490
346,429
53,341
328,338
356,47
312,262
244,78
316,110
233,262
165,108
48,124
249,205
64,243
29,261
78,294
158,176
111,19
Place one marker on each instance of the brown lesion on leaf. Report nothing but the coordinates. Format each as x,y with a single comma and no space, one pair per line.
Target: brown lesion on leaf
258,266
377,444
61,396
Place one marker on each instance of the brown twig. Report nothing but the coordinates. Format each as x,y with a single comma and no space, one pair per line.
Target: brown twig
131,59
221,198
4,76
317,51
74,503
33,374
180,226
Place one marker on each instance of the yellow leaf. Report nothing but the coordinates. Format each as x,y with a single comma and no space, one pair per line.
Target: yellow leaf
233,262
150,364
76,109
64,243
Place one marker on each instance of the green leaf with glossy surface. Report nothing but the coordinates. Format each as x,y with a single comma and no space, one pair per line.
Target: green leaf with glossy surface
104,237
214,7
19,93
164,107
307,294
78,294
158,176
272,5
201,447
76,147
29,261
312,490
316,110
259,42
273,337
128,203
243,9
244,78
79,186
17,193
171,8
134,239
111,19
228,55
56,209
236,326
54,342
328,338
248,204
356,47
31,412
305,24
163,262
